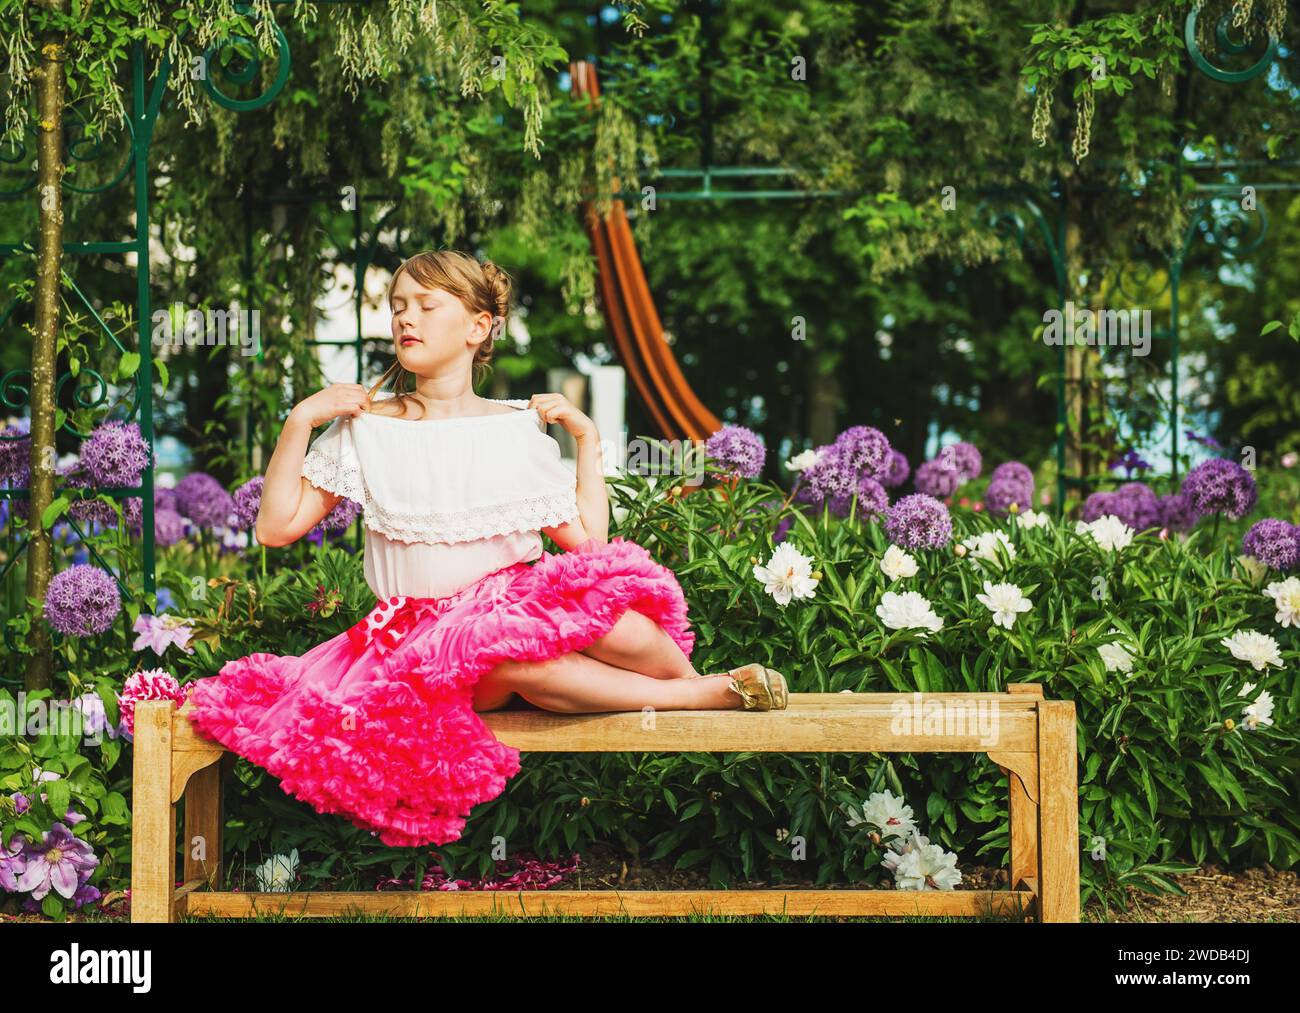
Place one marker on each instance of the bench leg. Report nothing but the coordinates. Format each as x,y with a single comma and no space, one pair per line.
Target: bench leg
153,817
1058,793
203,823
1023,820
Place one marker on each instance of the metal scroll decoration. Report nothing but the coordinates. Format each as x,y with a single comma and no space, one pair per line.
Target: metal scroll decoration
245,72
1227,46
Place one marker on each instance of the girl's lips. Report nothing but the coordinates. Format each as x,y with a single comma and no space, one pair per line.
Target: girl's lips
407,338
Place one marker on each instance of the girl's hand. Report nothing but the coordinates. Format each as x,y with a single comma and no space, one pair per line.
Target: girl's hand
335,400
558,408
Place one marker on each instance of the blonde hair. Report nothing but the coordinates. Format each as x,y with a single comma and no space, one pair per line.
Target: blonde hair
481,287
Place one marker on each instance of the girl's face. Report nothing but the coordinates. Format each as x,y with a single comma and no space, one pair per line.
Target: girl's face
432,328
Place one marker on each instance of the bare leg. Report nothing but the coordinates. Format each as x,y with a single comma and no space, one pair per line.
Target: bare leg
637,643
575,683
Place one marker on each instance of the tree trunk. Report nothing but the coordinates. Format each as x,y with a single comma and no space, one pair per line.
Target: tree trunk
1082,374
824,398
49,269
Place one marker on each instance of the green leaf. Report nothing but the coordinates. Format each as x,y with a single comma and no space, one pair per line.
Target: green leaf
128,365
53,512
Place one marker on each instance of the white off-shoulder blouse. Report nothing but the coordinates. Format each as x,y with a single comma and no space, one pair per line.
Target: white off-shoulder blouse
445,501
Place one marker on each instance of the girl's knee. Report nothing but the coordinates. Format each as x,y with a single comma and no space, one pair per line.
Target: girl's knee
520,673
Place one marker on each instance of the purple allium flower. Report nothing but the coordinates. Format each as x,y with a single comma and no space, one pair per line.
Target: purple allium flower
1016,472
1274,543
1097,505
204,500
1137,506
898,471
865,450
342,516
115,454
62,861
94,511
168,528
164,499
967,458
1219,486
938,478
831,476
1177,512
872,499
248,498
738,451
15,456
81,600
1003,492
919,522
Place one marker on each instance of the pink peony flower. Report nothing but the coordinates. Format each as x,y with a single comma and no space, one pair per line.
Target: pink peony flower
150,684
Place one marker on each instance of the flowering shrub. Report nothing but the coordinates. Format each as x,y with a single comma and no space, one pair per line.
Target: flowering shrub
1177,650
1169,647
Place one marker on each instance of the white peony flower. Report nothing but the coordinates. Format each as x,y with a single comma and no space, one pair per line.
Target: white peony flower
1116,657
909,610
1252,569
1108,531
1286,596
897,563
1029,519
985,546
899,847
804,461
1260,712
277,873
928,867
1246,690
1258,648
1005,601
788,574
888,813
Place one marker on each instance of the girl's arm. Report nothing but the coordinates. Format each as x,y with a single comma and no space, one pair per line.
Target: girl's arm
291,506
568,535
593,498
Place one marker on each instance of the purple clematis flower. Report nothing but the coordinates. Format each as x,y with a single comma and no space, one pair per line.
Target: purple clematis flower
160,631
62,861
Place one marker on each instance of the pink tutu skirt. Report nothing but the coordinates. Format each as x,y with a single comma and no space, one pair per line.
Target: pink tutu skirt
377,724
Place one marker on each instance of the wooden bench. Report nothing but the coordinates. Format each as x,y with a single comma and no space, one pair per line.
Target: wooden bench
1034,745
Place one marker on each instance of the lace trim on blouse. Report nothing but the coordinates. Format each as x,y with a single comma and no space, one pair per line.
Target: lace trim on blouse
330,474
332,464
529,514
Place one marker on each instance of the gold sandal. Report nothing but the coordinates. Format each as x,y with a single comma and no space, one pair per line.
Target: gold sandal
760,688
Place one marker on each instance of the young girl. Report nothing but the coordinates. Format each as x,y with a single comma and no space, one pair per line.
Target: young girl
379,723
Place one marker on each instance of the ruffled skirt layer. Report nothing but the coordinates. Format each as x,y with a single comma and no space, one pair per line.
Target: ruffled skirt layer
377,724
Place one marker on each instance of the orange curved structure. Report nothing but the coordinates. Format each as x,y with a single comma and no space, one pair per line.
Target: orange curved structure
630,311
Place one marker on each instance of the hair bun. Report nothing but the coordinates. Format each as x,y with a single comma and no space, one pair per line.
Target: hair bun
499,285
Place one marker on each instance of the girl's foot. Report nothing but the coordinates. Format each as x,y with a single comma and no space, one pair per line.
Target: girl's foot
759,688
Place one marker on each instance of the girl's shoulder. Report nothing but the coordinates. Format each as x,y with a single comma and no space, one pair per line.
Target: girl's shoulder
405,419
388,406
